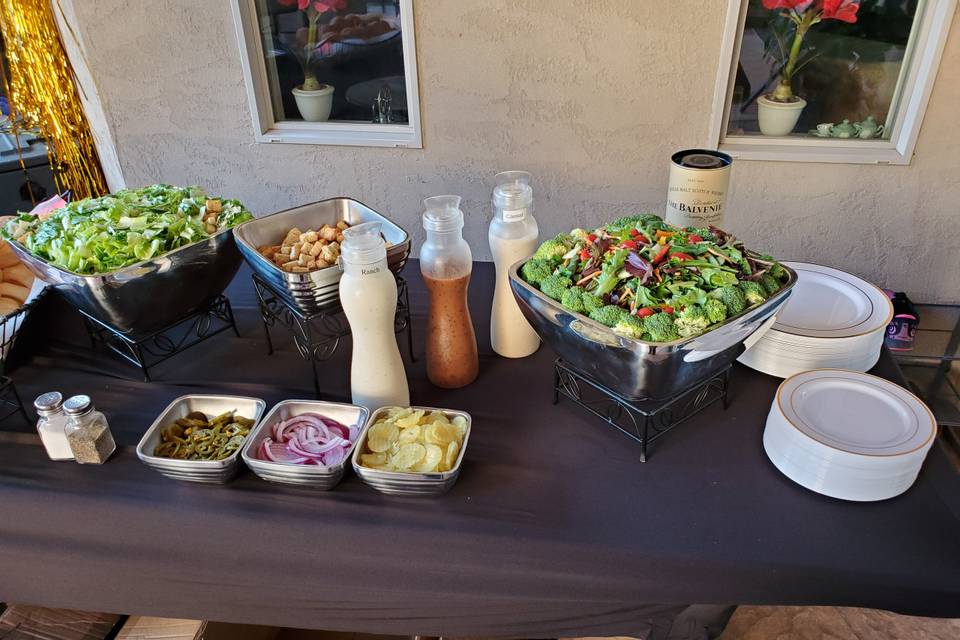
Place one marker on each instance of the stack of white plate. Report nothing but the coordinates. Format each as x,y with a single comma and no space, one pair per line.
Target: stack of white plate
832,320
848,435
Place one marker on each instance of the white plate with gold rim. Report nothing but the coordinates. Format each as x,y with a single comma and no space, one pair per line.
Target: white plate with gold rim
829,303
856,413
848,435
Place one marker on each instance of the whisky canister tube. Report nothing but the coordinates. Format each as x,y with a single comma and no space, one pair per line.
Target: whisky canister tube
697,195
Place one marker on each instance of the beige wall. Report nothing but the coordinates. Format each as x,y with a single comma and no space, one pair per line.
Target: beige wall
591,97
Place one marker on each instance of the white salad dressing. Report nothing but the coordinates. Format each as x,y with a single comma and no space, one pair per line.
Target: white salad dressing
513,237
368,294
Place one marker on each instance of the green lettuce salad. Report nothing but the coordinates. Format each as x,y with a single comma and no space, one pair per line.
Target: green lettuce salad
652,281
98,235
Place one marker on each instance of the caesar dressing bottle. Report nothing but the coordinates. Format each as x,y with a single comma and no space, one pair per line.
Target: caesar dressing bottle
513,237
368,294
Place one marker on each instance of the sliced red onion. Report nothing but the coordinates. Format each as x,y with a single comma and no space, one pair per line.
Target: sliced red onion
309,438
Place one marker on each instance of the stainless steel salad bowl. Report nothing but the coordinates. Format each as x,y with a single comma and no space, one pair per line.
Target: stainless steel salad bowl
635,369
316,290
151,294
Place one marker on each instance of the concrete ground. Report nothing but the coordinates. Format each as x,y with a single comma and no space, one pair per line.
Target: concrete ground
834,623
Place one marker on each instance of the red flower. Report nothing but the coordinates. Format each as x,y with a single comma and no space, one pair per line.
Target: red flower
845,10
797,5
319,7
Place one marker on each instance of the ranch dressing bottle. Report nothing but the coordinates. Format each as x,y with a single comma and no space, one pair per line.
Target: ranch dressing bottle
513,237
368,294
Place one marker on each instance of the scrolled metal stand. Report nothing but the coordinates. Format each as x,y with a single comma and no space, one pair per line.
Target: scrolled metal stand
10,325
147,350
317,335
642,420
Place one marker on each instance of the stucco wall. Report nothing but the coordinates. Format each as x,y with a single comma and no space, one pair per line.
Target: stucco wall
590,97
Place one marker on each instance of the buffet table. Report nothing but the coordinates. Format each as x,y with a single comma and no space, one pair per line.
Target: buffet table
553,529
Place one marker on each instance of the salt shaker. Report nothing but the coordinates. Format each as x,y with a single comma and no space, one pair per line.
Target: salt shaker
51,425
87,431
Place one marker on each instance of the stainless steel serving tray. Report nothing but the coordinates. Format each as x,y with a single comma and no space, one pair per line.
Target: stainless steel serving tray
316,290
151,294
209,471
635,369
309,475
409,483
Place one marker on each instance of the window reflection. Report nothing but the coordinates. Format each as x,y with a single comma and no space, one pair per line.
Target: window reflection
849,71
353,46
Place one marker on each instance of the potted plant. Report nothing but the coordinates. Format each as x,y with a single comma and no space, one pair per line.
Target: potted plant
780,110
314,99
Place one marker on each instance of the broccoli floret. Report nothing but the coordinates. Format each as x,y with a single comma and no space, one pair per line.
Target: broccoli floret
631,222
769,284
579,235
555,248
692,321
572,299
591,302
554,286
580,301
753,292
777,271
630,326
731,297
608,314
716,310
534,271
661,327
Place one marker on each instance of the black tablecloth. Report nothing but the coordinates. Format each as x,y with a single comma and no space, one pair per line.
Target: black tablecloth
554,527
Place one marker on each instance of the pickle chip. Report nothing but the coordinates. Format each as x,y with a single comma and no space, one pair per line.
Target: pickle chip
413,440
410,434
378,445
409,455
439,434
431,461
451,457
373,459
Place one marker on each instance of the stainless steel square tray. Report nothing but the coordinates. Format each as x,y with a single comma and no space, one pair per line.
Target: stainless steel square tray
636,369
308,475
316,290
209,471
409,483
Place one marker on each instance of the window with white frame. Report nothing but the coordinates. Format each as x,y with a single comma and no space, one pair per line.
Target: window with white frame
827,80
330,71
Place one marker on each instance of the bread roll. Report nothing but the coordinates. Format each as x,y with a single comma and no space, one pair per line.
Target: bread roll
8,306
15,291
7,257
18,274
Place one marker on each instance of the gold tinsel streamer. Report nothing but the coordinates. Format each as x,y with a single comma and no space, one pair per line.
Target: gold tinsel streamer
42,94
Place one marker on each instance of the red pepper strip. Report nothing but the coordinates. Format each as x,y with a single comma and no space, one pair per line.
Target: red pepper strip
643,313
679,255
629,244
591,238
667,308
585,254
662,253
694,238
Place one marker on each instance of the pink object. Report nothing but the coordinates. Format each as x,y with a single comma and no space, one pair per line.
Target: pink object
48,206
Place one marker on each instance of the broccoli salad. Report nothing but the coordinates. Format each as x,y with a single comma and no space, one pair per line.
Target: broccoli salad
98,235
651,281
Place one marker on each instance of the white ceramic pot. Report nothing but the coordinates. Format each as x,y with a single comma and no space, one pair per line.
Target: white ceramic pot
314,105
778,118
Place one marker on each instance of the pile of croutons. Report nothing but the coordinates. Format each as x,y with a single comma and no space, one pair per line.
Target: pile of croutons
303,251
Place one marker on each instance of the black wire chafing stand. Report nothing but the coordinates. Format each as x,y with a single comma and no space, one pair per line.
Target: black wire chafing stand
10,325
317,335
147,350
642,420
